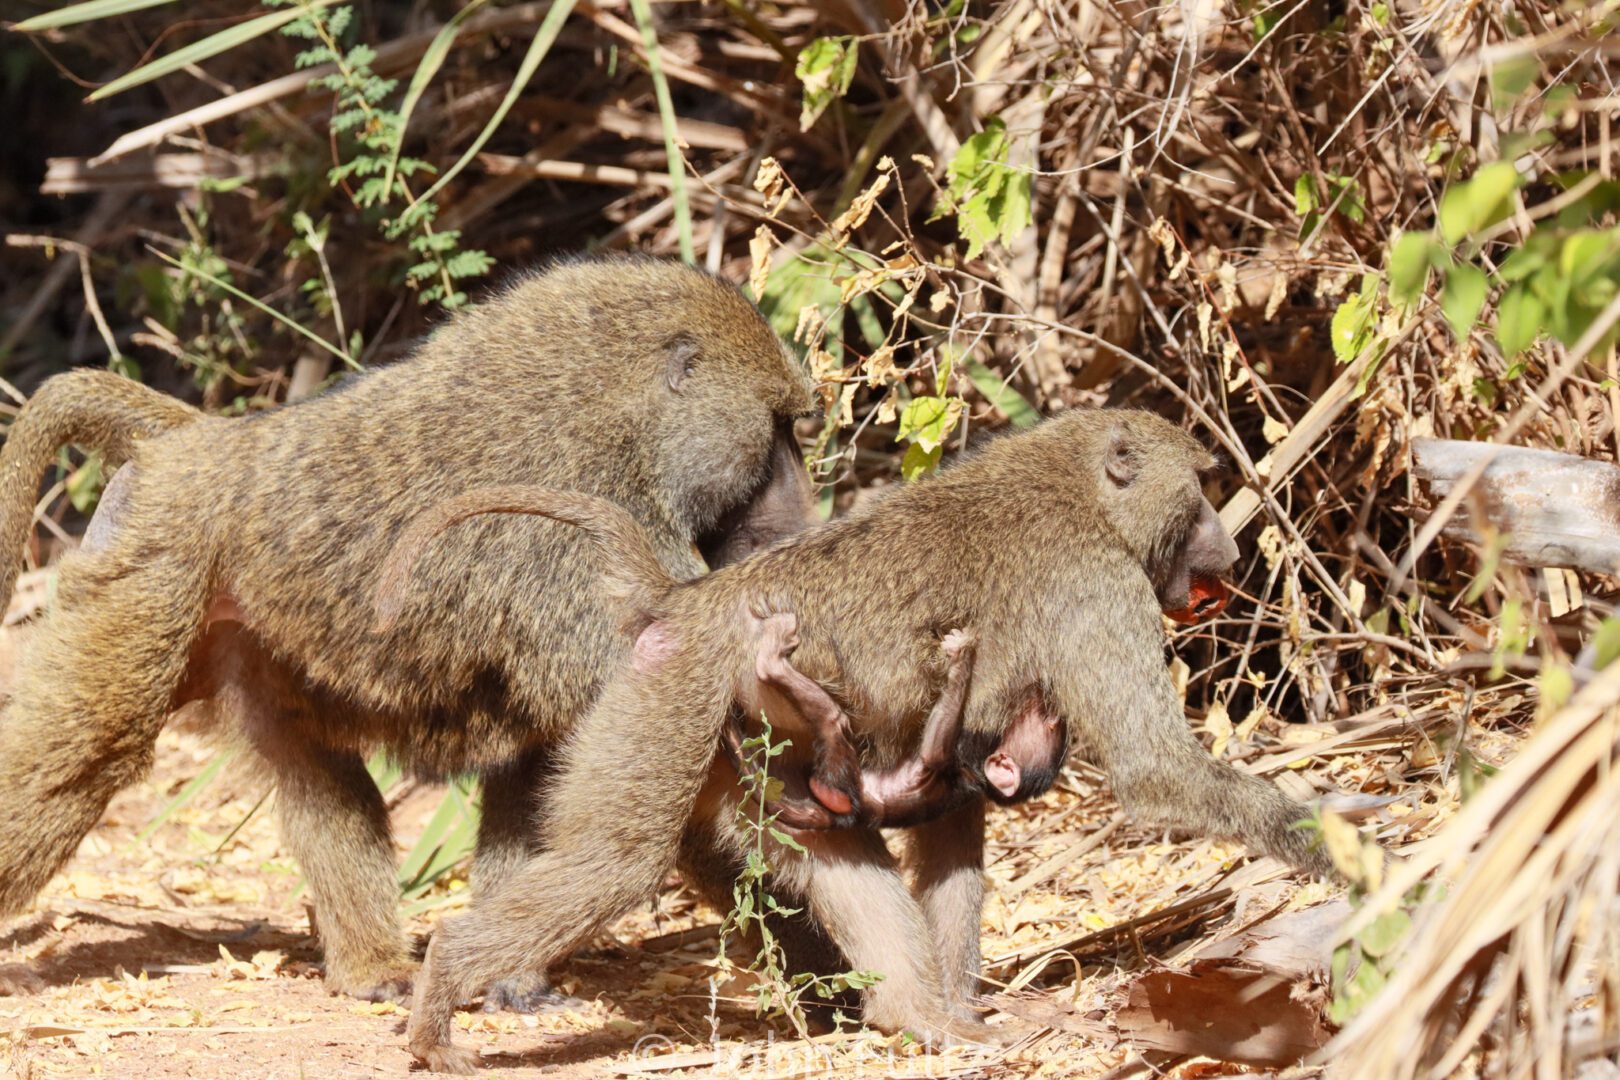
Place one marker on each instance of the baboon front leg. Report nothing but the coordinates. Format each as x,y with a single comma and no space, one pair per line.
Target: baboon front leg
945,858
90,695
508,836
855,890
835,779
1133,720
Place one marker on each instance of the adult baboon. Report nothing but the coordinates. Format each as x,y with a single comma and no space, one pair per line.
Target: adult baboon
233,559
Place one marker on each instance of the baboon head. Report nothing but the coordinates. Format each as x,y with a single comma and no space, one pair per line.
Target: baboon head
725,364
699,393
1149,485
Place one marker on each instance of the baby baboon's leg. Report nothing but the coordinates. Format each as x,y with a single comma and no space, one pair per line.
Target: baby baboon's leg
611,834
855,890
508,836
835,779
945,858
90,695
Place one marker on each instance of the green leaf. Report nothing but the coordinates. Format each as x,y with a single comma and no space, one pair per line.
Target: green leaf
432,60
198,51
1305,199
86,12
928,421
1409,267
918,462
1352,326
1003,397
550,27
1606,643
1475,204
1463,298
976,155
1385,932
84,484
1584,255
1519,319
1511,78
826,70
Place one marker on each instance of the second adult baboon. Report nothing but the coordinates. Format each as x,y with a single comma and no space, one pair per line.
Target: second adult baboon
1059,547
233,558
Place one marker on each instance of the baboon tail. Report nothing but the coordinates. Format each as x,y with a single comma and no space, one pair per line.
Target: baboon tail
633,570
96,410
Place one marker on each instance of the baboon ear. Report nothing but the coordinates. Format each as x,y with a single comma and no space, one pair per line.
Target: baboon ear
1119,461
680,358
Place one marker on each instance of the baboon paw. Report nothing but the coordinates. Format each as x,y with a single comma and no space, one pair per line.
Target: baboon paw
19,979
955,643
521,994
456,1060
395,987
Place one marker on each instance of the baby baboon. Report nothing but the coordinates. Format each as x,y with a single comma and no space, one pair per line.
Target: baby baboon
229,556
919,788
1059,547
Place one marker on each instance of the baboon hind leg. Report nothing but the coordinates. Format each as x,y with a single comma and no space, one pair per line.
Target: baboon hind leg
90,695
509,834
332,818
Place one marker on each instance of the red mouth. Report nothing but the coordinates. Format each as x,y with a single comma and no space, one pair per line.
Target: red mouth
1206,598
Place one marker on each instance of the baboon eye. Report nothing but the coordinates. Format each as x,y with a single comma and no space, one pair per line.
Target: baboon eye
681,356
1121,464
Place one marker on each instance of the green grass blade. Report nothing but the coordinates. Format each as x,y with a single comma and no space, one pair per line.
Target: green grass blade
1018,410
385,771
549,29
185,794
213,45
448,838
432,61
247,817
86,12
666,114
221,283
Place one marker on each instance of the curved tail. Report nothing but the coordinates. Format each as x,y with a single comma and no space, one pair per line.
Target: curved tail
633,570
96,410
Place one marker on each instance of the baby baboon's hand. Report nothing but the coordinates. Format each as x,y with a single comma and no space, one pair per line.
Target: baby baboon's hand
958,643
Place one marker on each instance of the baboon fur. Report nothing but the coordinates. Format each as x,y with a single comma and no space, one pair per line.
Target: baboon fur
1056,547
233,561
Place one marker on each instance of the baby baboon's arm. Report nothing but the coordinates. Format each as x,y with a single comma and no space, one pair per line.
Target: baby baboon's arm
918,789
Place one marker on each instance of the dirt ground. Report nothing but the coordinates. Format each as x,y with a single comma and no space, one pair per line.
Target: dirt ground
175,956
181,945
